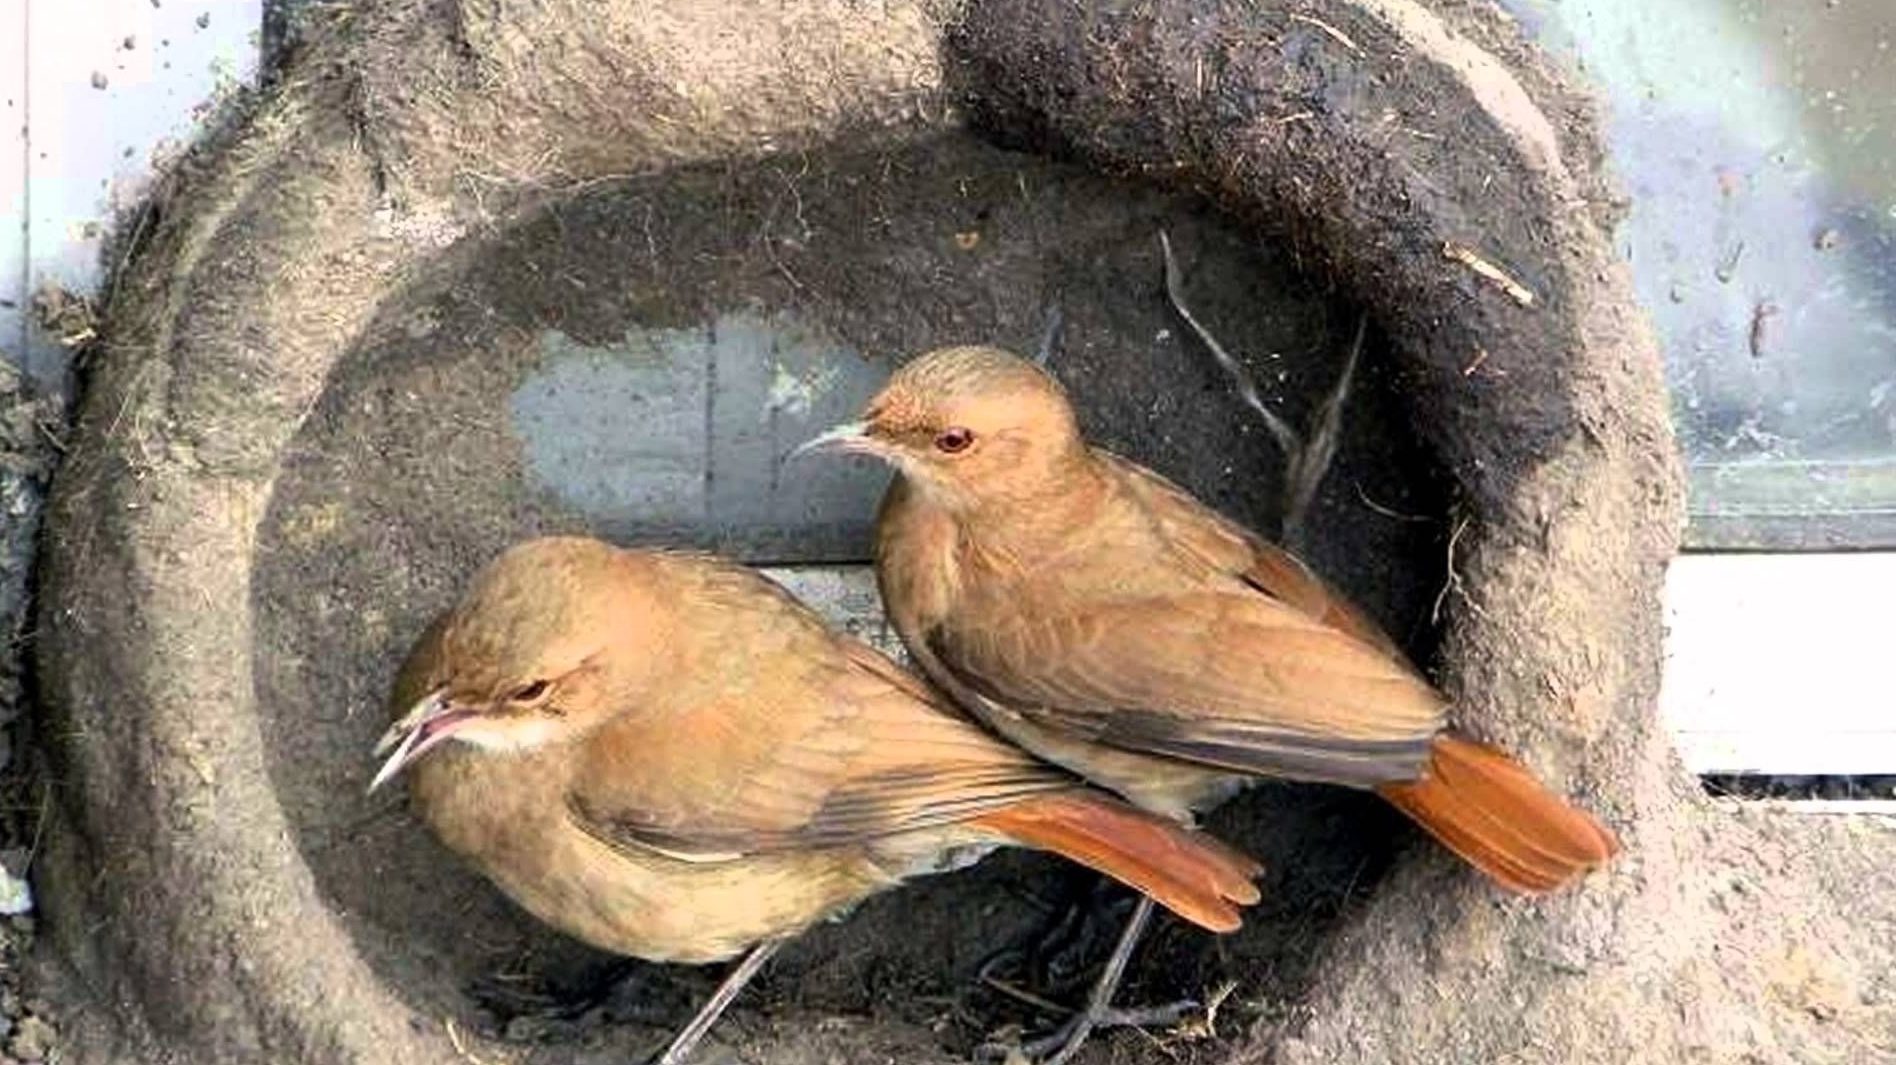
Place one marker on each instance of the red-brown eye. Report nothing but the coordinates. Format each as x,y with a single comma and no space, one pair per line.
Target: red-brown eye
953,439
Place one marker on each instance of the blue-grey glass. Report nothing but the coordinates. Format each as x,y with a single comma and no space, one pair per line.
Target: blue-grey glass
1758,144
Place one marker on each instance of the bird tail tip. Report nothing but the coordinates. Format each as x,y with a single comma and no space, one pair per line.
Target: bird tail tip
1188,872
1490,810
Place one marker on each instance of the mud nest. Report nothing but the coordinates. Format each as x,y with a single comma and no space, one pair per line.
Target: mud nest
315,415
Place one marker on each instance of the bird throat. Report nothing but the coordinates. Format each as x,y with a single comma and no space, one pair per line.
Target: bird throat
1034,521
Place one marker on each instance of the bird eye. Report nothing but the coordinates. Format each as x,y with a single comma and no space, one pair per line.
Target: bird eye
953,439
528,693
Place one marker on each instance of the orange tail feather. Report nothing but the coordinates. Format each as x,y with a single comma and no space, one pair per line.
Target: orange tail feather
1187,872
1489,809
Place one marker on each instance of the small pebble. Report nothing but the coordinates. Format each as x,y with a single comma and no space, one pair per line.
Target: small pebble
16,895
98,80
31,1039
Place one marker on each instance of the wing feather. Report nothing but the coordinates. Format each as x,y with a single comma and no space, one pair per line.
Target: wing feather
810,739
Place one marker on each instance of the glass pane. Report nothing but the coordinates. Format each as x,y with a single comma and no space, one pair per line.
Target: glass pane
1757,142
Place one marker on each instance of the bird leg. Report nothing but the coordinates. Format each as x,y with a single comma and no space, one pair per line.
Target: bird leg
1065,1041
693,1033
1305,461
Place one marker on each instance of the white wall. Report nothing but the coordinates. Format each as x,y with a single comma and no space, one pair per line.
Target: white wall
96,93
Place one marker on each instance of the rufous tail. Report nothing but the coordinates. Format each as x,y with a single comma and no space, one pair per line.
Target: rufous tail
1185,871
1489,809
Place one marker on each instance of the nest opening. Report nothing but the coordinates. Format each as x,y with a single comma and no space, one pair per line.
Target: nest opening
635,361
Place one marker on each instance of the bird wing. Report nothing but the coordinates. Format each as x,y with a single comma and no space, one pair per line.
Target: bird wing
1211,539
1233,681
818,741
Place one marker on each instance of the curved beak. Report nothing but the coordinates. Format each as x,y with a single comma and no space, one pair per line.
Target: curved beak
424,726
849,437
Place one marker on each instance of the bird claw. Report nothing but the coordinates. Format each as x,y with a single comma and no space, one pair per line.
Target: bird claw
1058,1046
1052,958
619,992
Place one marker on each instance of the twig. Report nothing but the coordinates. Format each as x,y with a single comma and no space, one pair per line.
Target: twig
1021,994
1468,257
52,438
1213,1002
1454,579
1341,38
1387,512
770,246
1350,888
1163,1046
1287,438
1311,465
454,1037
1049,336
131,244
39,827
651,245
796,195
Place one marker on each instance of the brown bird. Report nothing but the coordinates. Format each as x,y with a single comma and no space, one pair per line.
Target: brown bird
1102,618
667,756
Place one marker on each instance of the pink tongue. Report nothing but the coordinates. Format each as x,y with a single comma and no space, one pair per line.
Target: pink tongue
441,723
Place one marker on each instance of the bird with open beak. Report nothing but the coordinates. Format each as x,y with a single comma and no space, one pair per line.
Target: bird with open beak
667,756
1102,618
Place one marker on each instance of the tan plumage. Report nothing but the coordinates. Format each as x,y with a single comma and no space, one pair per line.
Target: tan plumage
667,756
1101,617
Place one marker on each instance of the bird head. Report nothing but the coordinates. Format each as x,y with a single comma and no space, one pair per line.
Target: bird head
542,649
965,424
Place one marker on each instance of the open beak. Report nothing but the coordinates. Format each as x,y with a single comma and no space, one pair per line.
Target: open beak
849,437
431,720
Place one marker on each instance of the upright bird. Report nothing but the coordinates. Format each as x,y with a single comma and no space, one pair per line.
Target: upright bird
1099,616
667,756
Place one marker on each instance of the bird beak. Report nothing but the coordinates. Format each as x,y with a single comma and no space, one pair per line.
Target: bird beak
430,721
849,437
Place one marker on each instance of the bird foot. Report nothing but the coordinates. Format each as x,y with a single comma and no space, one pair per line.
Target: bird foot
1058,1046
1054,958
525,1008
